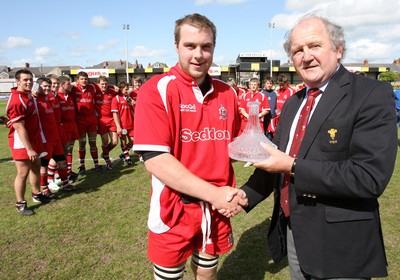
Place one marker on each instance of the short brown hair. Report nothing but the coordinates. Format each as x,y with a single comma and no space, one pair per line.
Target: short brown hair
196,20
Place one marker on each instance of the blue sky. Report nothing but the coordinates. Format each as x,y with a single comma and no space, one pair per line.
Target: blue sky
86,33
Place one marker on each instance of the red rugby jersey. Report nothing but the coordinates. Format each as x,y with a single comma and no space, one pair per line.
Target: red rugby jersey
125,110
21,106
47,115
172,115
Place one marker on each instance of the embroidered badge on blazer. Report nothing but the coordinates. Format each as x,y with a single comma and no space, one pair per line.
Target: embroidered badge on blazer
332,133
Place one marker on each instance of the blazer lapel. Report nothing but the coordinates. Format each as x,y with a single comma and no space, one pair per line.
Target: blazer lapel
332,95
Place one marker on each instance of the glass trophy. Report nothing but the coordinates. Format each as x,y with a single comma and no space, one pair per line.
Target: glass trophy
246,147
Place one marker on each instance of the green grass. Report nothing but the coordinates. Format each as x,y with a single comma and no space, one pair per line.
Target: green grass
100,232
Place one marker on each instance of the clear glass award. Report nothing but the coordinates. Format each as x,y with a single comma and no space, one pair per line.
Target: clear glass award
246,147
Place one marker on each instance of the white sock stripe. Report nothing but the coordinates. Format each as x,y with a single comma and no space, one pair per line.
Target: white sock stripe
203,262
168,273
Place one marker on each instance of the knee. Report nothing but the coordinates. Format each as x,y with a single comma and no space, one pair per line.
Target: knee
165,273
204,267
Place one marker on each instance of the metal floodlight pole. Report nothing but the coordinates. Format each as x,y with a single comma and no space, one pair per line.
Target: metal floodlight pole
126,27
271,25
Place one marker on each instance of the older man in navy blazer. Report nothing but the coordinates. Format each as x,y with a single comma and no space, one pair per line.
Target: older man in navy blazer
344,163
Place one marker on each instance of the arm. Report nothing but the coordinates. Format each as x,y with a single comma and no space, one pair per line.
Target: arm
259,186
117,121
172,173
243,113
263,113
264,106
360,163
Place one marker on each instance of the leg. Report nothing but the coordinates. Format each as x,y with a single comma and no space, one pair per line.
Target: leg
123,148
204,266
69,149
114,138
93,148
51,170
23,167
34,179
107,147
43,173
128,147
34,176
165,273
63,172
294,267
82,153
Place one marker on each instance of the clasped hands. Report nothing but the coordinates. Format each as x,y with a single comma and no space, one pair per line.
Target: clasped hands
236,199
229,201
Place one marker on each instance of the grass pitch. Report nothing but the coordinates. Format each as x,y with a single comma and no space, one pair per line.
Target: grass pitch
100,232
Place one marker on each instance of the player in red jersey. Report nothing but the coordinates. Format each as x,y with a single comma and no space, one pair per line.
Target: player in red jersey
84,95
184,121
282,94
52,98
136,84
25,140
122,110
239,91
68,122
53,145
106,124
253,95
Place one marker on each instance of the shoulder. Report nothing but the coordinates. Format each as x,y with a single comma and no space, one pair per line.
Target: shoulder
221,85
363,84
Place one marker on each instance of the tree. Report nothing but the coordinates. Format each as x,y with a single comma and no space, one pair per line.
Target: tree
389,76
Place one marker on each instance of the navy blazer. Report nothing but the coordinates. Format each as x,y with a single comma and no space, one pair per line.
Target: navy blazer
344,164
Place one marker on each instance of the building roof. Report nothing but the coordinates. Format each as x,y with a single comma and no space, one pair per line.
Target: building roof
43,70
112,64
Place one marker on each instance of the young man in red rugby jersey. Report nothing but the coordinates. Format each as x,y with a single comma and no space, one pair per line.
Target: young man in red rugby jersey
84,94
184,121
253,95
68,122
106,124
25,140
122,110
53,145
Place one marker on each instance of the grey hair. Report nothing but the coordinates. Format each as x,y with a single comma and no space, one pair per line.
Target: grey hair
335,32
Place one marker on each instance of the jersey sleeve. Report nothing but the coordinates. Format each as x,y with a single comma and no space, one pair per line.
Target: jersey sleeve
152,120
114,104
16,110
265,104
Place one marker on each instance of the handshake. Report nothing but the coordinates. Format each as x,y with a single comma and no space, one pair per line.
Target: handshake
229,201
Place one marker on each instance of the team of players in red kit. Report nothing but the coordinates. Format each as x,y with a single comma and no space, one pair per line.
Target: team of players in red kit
67,112
45,122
